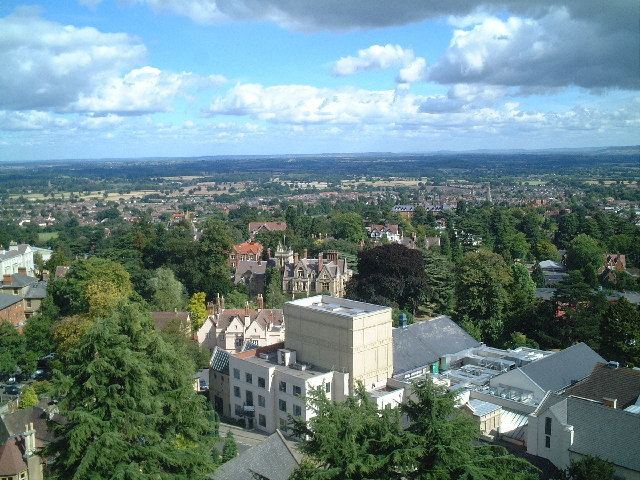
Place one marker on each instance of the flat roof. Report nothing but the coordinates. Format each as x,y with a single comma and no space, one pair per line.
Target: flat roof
271,362
338,306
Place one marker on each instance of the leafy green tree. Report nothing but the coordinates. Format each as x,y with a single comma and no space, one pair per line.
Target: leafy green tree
483,300
90,286
585,254
143,419
620,331
167,291
545,250
354,440
38,334
589,468
197,308
348,226
28,398
236,299
11,348
446,441
522,289
273,295
230,448
439,283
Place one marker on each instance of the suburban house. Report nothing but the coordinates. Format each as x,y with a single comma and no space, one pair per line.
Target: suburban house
251,274
406,211
311,276
245,251
552,272
231,329
22,434
615,261
12,310
598,416
30,289
274,459
390,232
259,227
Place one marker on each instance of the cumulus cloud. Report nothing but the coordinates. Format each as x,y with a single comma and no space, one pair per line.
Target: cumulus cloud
340,14
552,51
414,71
50,66
308,104
376,57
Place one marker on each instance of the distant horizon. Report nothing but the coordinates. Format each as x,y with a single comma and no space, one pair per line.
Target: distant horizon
558,150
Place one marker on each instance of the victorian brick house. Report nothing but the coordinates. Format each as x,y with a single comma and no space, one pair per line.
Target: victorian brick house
312,276
245,251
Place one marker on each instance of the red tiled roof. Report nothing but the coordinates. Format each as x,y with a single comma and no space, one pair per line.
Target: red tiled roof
248,247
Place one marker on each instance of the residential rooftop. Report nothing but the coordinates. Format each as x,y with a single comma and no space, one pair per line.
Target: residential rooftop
338,306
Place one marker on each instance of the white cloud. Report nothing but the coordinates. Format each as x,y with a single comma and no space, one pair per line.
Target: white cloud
31,120
376,57
145,89
308,104
50,66
552,51
46,64
413,72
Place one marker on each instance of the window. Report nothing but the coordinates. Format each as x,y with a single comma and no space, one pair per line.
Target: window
283,386
283,424
260,401
28,303
297,391
297,410
262,420
547,426
327,387
248,378
261,382
547,441
236,373
238,410
249,398
236,392
282,405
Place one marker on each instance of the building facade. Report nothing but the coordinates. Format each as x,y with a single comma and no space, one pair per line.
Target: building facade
311,276
342,335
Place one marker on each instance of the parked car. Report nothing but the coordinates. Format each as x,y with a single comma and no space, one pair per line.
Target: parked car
12,390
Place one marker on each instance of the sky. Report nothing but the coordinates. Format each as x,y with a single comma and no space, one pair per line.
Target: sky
148,78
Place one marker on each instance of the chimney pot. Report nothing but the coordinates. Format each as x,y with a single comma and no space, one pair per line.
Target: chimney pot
6,279
610,402
22,270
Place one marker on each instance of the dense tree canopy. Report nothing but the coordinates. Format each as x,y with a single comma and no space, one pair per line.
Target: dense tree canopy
143,419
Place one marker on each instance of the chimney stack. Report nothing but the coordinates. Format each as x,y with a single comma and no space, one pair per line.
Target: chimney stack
296,258
332,256
22,270
260,302
6,279
221,302
305,253
320,262
268,252
610,402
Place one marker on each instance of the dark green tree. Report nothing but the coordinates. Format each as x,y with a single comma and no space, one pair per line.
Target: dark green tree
587,255
439,283
589,468
620,332
12,348
273,295
129,407
230,448
482,293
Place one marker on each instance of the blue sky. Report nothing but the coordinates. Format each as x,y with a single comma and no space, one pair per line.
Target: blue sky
128,78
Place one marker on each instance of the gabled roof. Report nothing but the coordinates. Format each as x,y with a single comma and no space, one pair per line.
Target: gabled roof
11,461
563,368
19,280
274,459
269,226
6,300
37,291
622,384
604,432
422,343
248,247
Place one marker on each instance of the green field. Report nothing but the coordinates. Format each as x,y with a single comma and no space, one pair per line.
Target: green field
46,236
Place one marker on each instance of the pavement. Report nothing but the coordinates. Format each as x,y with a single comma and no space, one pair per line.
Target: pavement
244,438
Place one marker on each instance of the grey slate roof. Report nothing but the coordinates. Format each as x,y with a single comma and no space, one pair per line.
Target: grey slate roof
220,361
561,369
623,384
18,280
605,432
274,459
422,343
481,408
6,300
37,291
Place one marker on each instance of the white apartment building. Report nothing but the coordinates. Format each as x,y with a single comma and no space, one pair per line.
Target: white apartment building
268,387
16,257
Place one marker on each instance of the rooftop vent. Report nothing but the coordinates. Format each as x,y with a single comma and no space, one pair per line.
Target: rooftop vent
264,356
299,366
